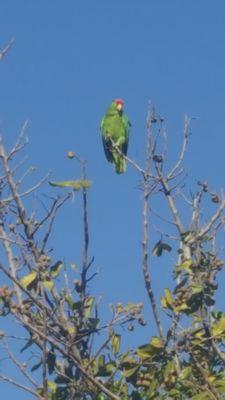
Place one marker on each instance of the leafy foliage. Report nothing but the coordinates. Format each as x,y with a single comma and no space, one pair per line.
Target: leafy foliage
74,355
76,185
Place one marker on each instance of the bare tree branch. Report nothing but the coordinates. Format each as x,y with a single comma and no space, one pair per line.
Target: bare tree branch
20,385
11,259
174,170
210,224
18,364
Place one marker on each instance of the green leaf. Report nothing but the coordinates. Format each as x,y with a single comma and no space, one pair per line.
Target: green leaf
167,300
175,393
127,373
92,323
104,369
101,397
52,386
51,358
220,385
27,345
55,269
71,329
168,296
196,288
88,303
69,300
136,396
75,185
36,366
219,327
144,351
28,279
48,284
181,307
202,396
110,367
185,373
169,369
156,342
185,266
160,247
115,343
101,361
128,361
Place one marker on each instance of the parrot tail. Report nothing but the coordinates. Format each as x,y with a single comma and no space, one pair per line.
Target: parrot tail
120,165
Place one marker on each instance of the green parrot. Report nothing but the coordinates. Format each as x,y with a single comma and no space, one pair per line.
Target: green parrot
115,128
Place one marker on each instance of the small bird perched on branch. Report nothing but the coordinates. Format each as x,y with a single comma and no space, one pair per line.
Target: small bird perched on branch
115,128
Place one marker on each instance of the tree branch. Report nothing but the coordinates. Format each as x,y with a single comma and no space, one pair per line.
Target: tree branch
5,50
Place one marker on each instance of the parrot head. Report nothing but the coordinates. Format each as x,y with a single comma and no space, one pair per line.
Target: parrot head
119,105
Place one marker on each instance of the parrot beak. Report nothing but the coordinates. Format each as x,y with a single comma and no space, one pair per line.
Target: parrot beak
119,107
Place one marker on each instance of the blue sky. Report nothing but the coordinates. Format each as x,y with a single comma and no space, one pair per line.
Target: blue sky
69,60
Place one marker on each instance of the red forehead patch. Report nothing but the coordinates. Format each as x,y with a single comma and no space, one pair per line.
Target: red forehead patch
119,101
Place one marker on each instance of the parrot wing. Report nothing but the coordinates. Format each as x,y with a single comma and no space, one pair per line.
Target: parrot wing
127,126
106,143
107,150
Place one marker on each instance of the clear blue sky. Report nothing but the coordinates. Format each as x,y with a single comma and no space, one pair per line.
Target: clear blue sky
70,59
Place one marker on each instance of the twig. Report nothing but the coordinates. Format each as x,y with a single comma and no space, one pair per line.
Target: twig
196,210
21,142
6,48
184,147
134,164
19,385
51,214
18,201
162,218
86,235
72,357
29,191
18,364
44,349
210,224
171,201
17,282
98,352
148,189
11,260
12,241
147,277
129,160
